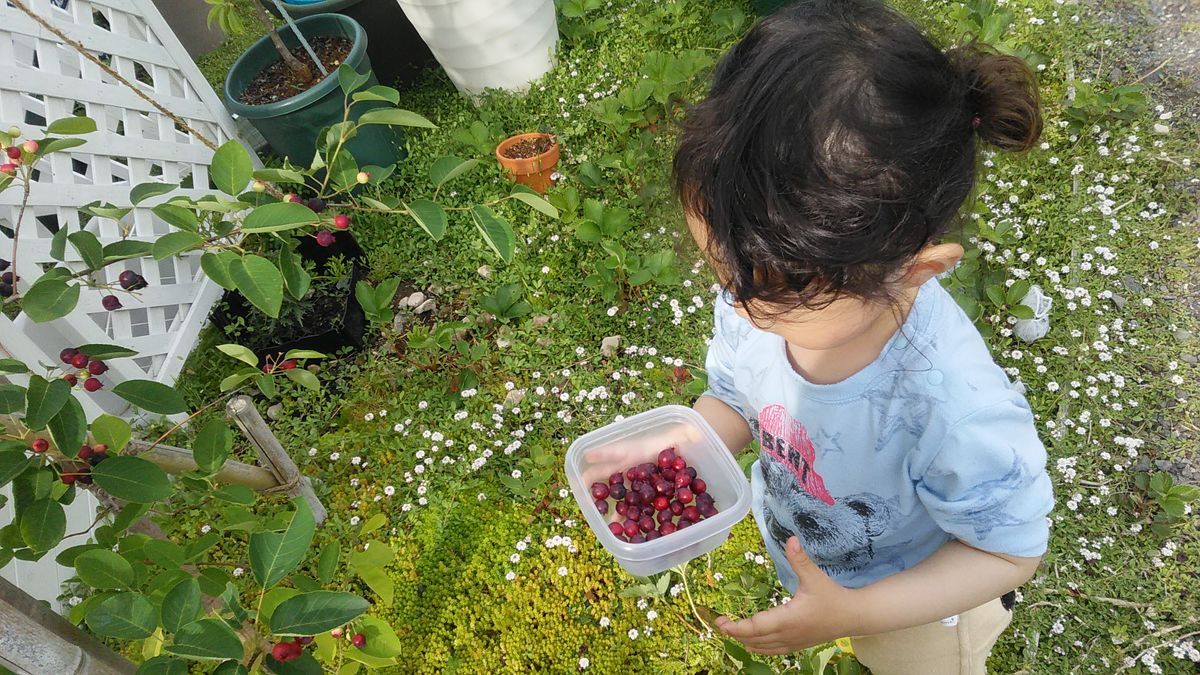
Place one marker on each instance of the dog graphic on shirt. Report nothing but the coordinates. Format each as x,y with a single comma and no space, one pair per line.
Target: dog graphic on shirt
837,533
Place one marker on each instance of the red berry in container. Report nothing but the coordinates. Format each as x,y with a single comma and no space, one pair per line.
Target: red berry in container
652,535
678,464
707,510
616,479
622,508
631,474
699,486
647,510
676,508
647,492
667,528
617,491
646,523
662,503
665,516
648,469
602,506
631,527
684,495
634,498
682,480
684,522
599,491
616,529
665,458
690,471
691,513
637,539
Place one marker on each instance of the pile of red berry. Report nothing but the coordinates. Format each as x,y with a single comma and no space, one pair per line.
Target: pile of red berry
654,499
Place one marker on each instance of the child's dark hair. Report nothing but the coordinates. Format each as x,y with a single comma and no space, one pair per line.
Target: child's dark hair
836,142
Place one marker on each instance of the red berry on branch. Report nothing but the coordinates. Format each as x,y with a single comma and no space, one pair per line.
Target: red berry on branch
67,354
13,152
288,364
85,451
341,221
71,379
40,445
325,238
80,360
93,384
359,640
111,302
97,367
30,146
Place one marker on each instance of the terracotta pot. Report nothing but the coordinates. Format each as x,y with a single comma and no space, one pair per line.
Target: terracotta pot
534,171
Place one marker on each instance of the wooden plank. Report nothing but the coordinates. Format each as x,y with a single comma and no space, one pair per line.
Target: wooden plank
96,93
91,36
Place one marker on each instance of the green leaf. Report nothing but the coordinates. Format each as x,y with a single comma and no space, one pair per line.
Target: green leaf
1017,291
113,432
260,281
496,231
43,524
106,352
231,168
89,248
58,244
316,612
446,169
104,569
177,216
69,428
373,523
328,560
53,145
151,396
129,616
206,639
180,605
303,354
132,479
395,117
212,446
216,266
306,664
536,202
303,378
126,249
163,665
237,378
996,295
240,353
382,642
67,556
143,191
43,400
273,555
278,217
49,299
366,297
174,243
72,126
430,216
350,80
377,93
1022,311
164,553
749,665
12,464
12,399
344,171
295,278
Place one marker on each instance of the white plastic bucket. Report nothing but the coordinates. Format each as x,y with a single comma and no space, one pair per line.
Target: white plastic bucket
488,44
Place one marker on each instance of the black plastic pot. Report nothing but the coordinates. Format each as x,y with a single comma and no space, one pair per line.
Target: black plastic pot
398,54
291,126
346,333
766,7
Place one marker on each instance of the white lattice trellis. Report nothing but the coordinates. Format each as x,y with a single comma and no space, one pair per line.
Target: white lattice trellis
42,80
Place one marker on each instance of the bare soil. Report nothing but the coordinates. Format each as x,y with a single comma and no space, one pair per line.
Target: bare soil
276,82
528,148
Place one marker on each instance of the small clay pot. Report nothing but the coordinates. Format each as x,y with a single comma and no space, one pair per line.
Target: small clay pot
534,172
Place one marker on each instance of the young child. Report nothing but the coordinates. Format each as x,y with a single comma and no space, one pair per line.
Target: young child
901,487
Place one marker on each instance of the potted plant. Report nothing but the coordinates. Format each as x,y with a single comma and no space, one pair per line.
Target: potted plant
319,310
397,52
530,159
484,44
289,98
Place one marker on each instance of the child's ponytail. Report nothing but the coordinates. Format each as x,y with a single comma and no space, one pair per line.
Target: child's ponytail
1002,97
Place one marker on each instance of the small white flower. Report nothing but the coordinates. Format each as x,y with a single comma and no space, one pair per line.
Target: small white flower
633,633
389,490
312,452
562,571
204,529
514,558
604,622
237,571
354,520
511,575
335,456
584,663
516,473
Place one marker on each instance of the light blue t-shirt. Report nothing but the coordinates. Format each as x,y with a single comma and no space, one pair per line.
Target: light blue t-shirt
928,443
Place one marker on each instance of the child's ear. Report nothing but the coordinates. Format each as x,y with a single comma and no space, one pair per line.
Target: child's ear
929,262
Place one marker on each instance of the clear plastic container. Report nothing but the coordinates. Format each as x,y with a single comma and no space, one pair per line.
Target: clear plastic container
595,456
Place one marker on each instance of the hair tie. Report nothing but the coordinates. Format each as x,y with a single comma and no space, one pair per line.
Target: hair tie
976,120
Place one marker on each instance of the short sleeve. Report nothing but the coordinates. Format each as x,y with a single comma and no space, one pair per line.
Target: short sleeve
987,484
722,355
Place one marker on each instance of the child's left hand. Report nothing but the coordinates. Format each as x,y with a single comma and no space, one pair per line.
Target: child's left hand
820,611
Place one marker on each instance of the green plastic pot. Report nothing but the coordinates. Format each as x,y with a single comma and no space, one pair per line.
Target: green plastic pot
291,126
395,48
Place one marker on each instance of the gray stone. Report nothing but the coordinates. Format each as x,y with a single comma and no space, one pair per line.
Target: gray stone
1119,301
503,343
540,320
427,306
484,271
1132,285
1184,336
610,345
413,300
514,398
275,411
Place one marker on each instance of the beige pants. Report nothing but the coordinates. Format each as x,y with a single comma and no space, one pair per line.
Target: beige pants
938,648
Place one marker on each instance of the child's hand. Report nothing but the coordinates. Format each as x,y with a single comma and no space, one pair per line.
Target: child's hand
820,611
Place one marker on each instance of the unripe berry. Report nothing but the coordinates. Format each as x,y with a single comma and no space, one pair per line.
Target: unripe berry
30,146
363,177
14,131
8,168
291,197
71,379
336,633
258,186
